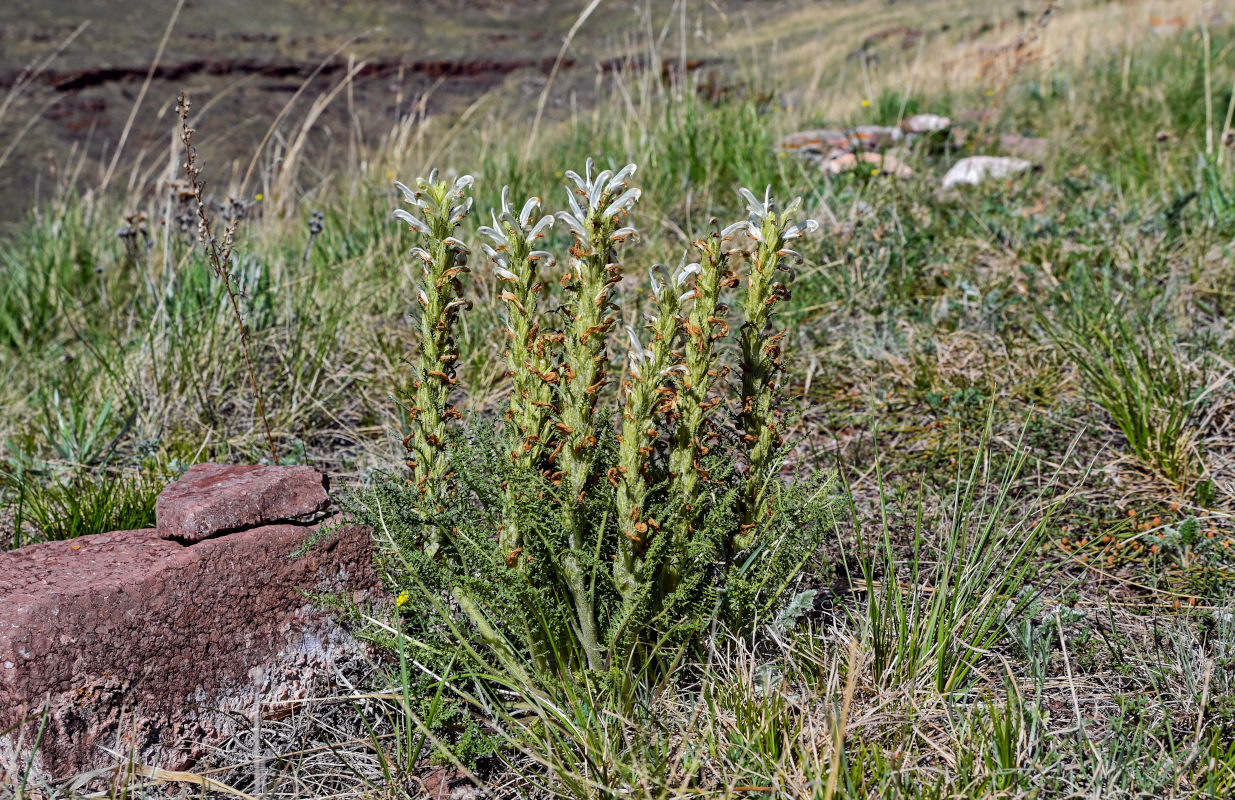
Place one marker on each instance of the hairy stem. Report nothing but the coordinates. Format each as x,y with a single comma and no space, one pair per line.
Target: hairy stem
592,312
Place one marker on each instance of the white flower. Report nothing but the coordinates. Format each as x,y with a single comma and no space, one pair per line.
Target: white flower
574,204
539,228
410,197
575,225
596,189
684,271
496,235
413,222
677,280
623,204
757,210
619,180
506,224
622,234
499,259
529,208
455,200
639,354
457,213
580,182
799,229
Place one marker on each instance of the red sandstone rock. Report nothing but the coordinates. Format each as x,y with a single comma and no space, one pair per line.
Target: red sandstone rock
818,140
213,498
134,638
884,163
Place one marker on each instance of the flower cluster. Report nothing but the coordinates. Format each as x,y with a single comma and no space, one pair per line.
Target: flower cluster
598,206
700,372
530,358
767,284
649,396
443,206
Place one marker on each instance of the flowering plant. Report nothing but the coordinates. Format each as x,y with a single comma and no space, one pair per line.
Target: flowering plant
553,541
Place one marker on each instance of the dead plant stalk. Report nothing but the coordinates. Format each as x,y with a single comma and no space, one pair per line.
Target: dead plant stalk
220,257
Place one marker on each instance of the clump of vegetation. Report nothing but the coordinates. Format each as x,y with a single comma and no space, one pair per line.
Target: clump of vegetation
551,542
1133,367
82,505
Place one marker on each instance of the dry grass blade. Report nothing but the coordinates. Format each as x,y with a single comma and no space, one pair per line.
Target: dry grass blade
557,65
172,776
838,743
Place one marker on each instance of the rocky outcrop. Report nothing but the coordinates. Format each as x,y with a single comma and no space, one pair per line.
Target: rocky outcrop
149,641
877,148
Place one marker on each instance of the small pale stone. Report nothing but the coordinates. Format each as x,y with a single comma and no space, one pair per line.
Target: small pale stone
925,123
975,169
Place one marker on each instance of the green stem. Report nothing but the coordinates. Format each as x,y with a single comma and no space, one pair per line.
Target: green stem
592,313
439,293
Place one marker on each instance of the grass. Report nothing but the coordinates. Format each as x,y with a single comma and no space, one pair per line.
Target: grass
83,506
1132,366
1024,388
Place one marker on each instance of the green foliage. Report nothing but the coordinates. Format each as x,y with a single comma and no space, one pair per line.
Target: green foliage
1133,367
549,543
46,266
84,505
981,560
510,605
